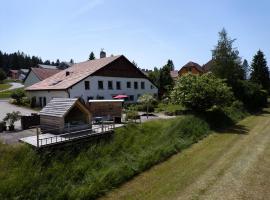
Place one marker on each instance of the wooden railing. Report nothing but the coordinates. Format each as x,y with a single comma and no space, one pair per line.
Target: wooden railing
74,135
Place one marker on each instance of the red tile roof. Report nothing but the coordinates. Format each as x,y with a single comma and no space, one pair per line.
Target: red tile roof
77,72
43,73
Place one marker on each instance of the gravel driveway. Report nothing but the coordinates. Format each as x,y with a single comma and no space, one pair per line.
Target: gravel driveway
6,107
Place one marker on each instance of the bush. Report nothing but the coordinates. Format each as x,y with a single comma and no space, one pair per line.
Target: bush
200,93
251,94
3,75
170,109
18,95
219,118
132,115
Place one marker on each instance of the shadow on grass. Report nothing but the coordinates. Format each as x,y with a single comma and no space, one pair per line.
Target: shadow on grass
222,123
236,129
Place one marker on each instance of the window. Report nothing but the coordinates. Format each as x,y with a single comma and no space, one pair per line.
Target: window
152,87
118,85
131,98
142,85
44,101
40,101
138,96
135,85
100,97
90,98
86,85
110,85
100,85
128,84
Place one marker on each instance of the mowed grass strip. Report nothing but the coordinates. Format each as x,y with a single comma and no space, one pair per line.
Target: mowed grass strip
4,86
170,179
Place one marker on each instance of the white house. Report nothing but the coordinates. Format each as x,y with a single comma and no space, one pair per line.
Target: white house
102,78
36,75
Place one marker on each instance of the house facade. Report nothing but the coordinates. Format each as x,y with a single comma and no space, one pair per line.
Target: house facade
191,67
102,78
36,75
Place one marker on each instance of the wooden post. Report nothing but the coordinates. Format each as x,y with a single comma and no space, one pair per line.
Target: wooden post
37,137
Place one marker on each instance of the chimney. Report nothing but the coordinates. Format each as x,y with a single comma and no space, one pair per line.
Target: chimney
67,73
102,54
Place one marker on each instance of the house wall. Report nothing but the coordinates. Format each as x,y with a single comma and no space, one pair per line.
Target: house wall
192,70
94,92
31,79
48,95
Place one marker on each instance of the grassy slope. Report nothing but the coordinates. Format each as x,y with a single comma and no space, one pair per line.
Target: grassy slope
87,171
4,86
235,163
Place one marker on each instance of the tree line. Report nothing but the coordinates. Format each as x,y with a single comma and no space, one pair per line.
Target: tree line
20,60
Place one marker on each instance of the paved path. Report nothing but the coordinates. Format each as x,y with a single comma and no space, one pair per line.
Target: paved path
6,107
232,165
14,85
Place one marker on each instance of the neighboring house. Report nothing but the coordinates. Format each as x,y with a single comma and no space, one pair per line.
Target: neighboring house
36,75
191,67
47,66
207,67
174,74
102,78
23,73
13,74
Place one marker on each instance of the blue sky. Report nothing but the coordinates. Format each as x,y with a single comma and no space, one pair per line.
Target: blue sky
147,31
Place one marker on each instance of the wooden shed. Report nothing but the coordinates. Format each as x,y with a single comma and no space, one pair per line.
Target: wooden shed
107,109
64,114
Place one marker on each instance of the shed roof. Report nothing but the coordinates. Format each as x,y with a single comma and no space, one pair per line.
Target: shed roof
58,107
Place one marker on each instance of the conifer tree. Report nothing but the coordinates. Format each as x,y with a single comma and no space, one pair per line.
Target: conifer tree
259,70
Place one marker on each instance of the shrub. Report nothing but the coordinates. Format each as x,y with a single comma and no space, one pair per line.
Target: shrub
18,95
170,109
3,75
132,115
200,93
251,94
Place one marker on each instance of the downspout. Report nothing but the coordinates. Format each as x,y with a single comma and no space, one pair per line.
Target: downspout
68,93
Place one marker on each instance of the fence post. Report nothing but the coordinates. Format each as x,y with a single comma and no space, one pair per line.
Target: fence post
102,127
37,137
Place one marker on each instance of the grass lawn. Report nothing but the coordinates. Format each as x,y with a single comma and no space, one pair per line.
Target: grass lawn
4,86
235,162
5,94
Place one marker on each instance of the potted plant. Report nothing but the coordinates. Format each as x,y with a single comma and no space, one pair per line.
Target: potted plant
11,118
3,126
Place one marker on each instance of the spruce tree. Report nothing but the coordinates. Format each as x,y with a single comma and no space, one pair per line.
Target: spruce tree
226,62
245,68
170,64
259,70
